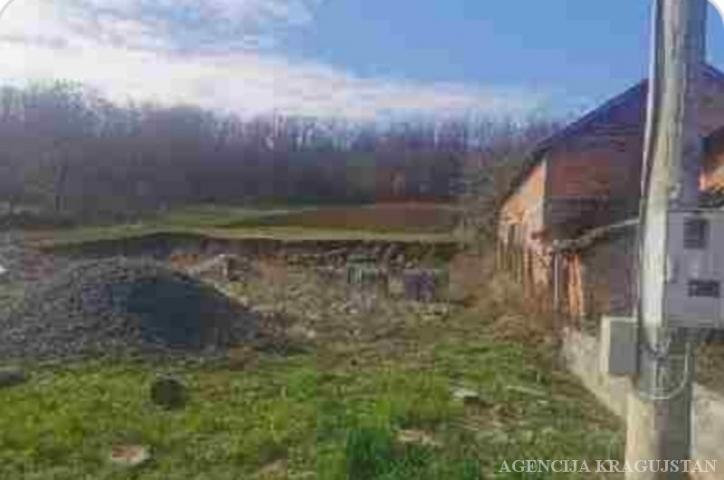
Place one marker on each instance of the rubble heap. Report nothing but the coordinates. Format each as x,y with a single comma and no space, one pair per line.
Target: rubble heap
117,305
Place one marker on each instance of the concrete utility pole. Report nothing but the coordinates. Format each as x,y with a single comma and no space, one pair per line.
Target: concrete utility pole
659,414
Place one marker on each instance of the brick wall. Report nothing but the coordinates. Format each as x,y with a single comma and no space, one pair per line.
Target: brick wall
598,278
594,175
521,226
524,208
590,177
712,175
592,186
711,114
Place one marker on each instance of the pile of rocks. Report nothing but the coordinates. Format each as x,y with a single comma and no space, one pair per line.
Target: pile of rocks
415,284
21,264
223,268
321,306
119,305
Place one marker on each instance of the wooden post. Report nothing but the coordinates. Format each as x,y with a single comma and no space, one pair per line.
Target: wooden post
659,413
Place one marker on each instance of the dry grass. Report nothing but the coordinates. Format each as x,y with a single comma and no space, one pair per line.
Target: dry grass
709,365
518,316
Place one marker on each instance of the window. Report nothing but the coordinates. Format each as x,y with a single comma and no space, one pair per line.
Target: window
696,233
704,288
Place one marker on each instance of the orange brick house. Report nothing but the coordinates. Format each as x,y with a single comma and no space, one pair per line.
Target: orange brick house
712,175
588,175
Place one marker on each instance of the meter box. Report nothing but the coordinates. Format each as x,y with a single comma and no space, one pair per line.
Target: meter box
694,292
619,346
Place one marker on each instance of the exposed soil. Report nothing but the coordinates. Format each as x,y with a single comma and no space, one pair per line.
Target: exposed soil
161,246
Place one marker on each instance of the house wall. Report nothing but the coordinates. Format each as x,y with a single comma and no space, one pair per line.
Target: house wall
524,208
599,279
712,177
594,176
593,180
591,177
711,121
520,227
711,112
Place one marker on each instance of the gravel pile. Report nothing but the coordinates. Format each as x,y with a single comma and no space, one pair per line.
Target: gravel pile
22,264
119,306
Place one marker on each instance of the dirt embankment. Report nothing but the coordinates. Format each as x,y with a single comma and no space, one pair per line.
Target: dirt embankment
92,297
161,246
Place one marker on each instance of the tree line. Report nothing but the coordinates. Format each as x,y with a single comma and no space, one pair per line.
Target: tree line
69,152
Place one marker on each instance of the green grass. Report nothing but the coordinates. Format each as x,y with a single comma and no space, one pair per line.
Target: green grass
422,218
193,219
217,216
315,415
287,224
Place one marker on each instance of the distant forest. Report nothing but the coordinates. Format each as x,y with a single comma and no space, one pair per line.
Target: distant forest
69,152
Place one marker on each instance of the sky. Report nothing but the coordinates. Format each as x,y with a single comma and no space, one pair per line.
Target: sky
360,59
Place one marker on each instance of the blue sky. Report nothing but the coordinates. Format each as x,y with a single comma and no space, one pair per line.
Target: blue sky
354,58
580,48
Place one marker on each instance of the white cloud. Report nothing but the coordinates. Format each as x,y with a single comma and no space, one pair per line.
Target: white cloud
719,5
136,49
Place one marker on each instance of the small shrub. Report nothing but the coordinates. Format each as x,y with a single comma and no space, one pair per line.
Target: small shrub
372,453
369,453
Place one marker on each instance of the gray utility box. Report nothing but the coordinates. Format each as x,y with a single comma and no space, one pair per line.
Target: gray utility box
695,269
619,346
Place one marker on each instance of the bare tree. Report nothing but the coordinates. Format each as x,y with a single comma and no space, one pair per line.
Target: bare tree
69,151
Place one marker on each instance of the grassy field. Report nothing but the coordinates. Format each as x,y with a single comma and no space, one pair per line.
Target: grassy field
405,222
359,410
420,218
